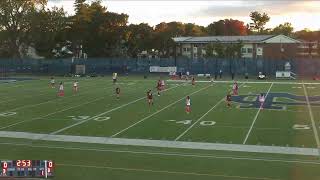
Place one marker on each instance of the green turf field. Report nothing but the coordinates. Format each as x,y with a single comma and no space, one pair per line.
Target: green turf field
127,139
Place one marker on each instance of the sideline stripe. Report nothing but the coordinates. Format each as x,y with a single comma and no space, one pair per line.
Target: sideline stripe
156,112
101,114
315,131
162,143
256,117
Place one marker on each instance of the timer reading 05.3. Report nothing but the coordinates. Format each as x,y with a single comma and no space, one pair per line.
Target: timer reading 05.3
23,163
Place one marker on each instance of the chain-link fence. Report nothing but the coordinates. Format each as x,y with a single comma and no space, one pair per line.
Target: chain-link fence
302,67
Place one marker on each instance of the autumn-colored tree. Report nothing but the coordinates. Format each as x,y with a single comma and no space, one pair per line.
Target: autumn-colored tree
307,35
227,27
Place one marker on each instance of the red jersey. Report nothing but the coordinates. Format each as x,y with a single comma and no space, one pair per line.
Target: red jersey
149,95
159,84
235,86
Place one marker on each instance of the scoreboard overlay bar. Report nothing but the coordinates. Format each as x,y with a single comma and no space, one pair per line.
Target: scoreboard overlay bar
27,168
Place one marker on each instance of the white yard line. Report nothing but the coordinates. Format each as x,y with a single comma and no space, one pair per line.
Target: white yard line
161,143
123,130
256,117
101,114
182,134
314,127
218,103
72,107
167,172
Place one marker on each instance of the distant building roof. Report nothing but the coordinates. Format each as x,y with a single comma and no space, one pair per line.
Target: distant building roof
228,39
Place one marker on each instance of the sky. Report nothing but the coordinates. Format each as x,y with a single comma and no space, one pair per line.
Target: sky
301,14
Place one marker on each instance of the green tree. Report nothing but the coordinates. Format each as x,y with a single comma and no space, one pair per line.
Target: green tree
220,50
238,49
259,20
101,33
78,4
210,50
163,34
194,30
215,50
139,38
224,50
15,21
216,28
285,29
48,27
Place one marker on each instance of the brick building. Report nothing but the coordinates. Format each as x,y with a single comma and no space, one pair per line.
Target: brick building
254,46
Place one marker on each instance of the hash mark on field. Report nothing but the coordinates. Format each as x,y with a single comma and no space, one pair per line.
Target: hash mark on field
311,87
106,112
171,120
156,112
182,134
256,117
315,131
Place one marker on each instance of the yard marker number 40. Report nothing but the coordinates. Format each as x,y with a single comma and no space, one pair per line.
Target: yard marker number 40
202,123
